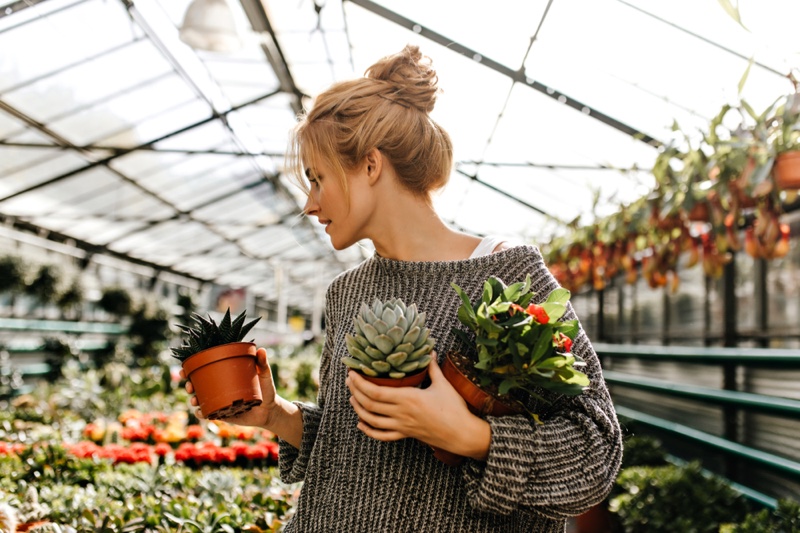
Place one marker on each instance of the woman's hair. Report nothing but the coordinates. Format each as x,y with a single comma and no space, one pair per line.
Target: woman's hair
387,109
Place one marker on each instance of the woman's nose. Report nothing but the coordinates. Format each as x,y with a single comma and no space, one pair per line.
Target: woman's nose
311,208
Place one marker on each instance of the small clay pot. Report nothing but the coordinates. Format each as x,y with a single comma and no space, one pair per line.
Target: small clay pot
225,379
414,380
478,400
787,170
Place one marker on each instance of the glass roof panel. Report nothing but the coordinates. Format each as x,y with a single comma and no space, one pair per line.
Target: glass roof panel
152,240
118,77
478,24
206,136
21,177
147,162
243,80
9,125
124,111
158,126
270,121
74,35
87,83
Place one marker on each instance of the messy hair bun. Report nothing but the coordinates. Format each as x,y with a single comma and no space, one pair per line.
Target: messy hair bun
387,109
409,78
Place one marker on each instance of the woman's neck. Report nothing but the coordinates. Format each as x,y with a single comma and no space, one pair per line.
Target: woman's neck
422,237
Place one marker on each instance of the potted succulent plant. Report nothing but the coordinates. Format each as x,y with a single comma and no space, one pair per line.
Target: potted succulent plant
391,345
522,348
221,367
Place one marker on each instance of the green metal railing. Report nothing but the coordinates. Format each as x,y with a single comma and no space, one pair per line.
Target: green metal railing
730,399
61,326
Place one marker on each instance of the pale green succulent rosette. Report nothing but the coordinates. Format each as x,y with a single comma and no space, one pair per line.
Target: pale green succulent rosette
390,340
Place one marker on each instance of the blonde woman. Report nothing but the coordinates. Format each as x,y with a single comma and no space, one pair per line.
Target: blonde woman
369,157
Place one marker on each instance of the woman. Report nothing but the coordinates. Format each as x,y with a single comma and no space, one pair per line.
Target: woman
372,156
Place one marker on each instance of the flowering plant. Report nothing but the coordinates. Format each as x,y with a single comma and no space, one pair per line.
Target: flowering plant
521,345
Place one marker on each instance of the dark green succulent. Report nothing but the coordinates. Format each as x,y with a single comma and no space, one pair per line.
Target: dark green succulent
207,333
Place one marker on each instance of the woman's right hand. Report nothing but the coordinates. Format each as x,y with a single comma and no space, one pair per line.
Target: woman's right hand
259,416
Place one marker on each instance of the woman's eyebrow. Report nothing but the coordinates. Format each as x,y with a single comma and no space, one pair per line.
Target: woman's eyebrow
308,172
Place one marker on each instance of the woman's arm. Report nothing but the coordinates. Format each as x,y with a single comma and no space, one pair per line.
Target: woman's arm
275,414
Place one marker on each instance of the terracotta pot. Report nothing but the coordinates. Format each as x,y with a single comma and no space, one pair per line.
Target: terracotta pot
787,170
478,400
595,520
414,380
225,379
699,213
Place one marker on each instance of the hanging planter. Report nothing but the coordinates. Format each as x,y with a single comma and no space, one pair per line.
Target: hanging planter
222,369
787,170
699,213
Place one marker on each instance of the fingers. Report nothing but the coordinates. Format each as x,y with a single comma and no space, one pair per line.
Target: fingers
381,400
434,371
376,426
378,434
261,359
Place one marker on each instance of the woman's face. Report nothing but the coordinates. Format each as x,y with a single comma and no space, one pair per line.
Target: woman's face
339,211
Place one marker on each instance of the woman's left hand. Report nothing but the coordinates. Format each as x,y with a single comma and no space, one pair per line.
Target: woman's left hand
437,415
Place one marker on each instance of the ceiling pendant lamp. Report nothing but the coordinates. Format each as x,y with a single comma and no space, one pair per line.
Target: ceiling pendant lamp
210,25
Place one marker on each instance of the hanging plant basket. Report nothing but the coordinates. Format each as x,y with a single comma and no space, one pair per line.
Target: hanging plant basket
456,369
225,379
699,213
787,170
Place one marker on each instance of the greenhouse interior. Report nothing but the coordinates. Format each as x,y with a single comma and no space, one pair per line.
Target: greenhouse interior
649,149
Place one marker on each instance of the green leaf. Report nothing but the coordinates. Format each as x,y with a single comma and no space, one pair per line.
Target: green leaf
743,79
486,341
733,11
486,297
554,310
513,291
569,328
487,324
559,296
543,343
505,386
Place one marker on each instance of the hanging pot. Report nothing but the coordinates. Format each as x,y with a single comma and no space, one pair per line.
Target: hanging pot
456,369
699,212
225,379
787,170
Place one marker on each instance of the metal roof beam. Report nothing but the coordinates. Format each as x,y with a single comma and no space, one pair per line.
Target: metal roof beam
122,150
516,75
101,162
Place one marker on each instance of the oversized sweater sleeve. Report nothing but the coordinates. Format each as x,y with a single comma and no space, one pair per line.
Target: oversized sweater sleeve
292,462
558,468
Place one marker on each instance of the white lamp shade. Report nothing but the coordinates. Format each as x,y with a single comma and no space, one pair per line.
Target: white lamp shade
209,25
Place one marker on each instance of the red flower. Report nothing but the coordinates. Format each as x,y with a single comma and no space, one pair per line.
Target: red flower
562,342
195,432
162,449
538,313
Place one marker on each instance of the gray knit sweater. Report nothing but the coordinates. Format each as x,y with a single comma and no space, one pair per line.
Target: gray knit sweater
535,476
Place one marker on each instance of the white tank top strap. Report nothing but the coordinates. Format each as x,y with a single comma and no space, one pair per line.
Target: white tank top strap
487,246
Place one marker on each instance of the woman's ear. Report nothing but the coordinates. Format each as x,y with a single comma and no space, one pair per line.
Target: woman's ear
374,165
